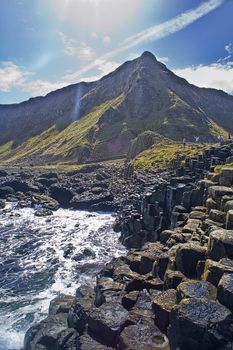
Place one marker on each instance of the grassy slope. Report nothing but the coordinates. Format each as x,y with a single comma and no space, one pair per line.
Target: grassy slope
161,154
60,143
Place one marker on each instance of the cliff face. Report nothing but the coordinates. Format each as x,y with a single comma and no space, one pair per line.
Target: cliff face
95,121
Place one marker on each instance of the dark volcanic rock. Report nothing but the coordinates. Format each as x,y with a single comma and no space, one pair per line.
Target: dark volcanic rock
200,324
143,337
62,194
107,321
187,257
225,290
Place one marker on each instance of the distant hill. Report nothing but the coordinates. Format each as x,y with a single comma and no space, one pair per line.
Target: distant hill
103,119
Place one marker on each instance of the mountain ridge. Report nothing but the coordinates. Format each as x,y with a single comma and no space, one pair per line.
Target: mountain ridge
149,97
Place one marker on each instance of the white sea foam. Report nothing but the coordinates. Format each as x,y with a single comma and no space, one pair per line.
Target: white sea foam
43,257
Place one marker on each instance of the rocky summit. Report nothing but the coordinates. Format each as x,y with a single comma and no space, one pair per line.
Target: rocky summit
108,118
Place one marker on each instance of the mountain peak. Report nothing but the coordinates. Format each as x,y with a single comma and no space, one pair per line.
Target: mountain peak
148,55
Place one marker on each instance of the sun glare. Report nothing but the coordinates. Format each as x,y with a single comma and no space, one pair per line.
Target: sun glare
98,15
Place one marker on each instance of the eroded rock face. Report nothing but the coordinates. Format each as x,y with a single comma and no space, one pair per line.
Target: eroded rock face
200,324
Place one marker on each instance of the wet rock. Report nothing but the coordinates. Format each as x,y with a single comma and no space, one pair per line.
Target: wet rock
196,289
220,245
87,200
61,194
85,253
214,271
45,201
187,257
46,332
108,290
68,340
2,204
225,290
199,324
79,312
87,342
143,336
162,306
6,191
43,212
85,291
61,304
107,321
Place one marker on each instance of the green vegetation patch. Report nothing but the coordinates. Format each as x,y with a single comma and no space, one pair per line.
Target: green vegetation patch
162,153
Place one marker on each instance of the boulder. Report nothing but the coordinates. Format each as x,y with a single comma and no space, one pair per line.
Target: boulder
61,194
61,304
79,312
106,322
226,177
68,340
2,204
214,271
229,220
196,289
217,192
217,215
130,299
199,324
225,290
87,200
6,191
187,257
162,306
172,279
87,342
143,337
46,333
220,245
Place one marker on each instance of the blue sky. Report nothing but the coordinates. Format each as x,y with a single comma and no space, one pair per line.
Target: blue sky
48,44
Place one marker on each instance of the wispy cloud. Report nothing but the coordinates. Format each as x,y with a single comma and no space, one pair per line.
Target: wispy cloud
156,32
13,76
84,52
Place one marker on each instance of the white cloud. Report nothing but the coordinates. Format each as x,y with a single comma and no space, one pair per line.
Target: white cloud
162,59
83,52
11,76
86,53
154,33
42,87
229,48
223,79
69,44
107,40
218,76
94,35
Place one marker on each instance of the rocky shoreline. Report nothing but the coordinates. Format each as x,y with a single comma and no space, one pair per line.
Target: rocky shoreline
174,289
